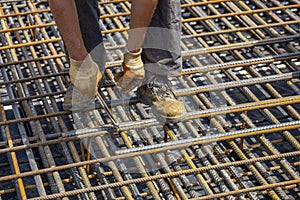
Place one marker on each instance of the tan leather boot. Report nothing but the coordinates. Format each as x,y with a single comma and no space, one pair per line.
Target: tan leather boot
164,104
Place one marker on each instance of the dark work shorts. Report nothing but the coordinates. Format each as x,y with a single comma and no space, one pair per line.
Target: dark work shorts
161,49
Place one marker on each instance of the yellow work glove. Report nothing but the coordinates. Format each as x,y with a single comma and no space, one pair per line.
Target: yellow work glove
133,71
85,76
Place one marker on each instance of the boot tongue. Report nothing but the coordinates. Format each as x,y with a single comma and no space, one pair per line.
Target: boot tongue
160,88
157,81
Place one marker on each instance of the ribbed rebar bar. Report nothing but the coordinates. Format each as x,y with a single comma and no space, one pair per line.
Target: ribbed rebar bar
239,83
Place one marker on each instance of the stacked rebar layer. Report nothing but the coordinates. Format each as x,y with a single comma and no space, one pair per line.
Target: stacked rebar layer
240,85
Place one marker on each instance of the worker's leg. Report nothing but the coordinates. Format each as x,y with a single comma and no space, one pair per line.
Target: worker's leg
84,72
141,15
88,14
133,68
65,15
161,49
162,59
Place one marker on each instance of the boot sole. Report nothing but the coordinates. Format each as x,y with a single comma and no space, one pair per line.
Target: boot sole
168,119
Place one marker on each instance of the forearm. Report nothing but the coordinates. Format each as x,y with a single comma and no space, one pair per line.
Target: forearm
65,15
141,15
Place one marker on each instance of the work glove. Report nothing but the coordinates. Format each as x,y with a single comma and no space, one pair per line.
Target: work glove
85,76
133,71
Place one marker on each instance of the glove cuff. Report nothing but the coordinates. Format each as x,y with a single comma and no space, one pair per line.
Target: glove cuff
133,54
74,63
74,68
133,61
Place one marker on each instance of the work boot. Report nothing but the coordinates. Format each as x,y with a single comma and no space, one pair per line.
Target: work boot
160,97
84,77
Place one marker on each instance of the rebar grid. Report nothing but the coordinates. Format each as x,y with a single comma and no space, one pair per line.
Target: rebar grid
240,85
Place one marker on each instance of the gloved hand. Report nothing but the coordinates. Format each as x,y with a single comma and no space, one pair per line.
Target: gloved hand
133,71
85,76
